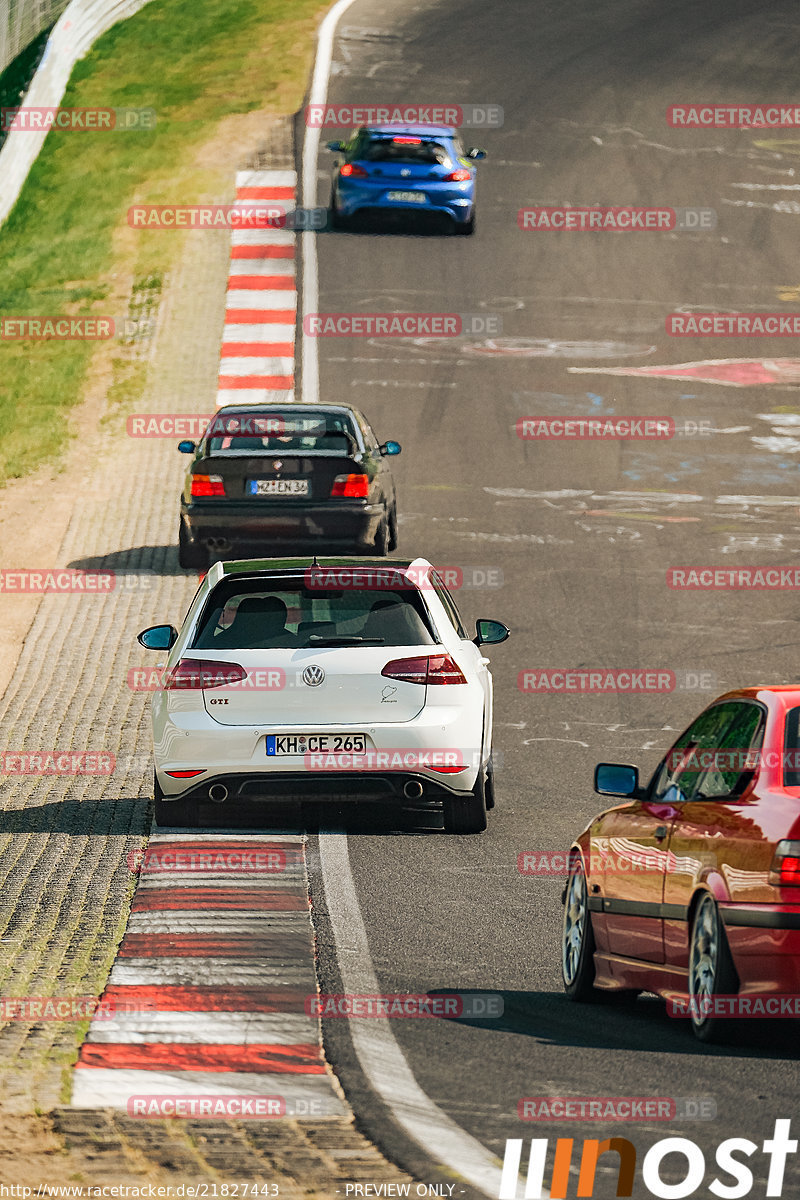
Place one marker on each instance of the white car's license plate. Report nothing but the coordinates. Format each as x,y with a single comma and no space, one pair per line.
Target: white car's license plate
407,197
278,487
279,744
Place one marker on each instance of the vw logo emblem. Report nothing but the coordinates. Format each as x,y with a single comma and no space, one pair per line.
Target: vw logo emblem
313,675
405,172
276,466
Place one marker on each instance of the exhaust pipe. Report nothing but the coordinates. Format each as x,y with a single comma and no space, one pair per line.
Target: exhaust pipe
218,793
413,789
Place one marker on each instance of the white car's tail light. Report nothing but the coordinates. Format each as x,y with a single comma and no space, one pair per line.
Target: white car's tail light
785,869
430,669
194,674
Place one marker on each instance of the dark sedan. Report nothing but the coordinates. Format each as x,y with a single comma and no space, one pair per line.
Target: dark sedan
263,476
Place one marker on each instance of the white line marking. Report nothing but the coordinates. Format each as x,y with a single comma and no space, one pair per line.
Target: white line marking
265,179
262,237
256,366
318,95
379,1054
207,1028
215,923
261,266
101,1087
258,333
213,972
260,301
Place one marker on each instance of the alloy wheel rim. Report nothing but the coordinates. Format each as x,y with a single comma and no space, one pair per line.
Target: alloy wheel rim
574,926
703,960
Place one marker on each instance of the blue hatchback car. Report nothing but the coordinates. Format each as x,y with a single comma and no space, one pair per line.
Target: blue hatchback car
414,168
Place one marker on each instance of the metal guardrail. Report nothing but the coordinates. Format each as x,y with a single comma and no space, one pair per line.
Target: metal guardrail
78,27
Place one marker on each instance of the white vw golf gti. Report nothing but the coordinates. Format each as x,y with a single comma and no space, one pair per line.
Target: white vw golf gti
349,678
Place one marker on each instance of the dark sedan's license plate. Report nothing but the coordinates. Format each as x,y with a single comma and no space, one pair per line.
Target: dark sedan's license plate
315,743
277,487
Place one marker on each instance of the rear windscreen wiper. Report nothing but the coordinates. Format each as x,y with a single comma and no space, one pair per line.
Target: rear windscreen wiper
319,639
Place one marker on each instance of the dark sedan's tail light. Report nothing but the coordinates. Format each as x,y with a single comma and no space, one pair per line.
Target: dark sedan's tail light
196,674
208,485
459,176
352,170
785,869
353,487
433,669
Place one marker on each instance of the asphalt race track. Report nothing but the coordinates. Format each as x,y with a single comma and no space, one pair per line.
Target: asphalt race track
582,533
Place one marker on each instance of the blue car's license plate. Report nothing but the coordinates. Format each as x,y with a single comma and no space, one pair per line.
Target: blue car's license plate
407,197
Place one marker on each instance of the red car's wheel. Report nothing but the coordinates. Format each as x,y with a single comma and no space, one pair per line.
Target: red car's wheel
577,939
711,970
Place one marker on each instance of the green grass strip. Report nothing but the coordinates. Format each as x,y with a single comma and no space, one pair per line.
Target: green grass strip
195,64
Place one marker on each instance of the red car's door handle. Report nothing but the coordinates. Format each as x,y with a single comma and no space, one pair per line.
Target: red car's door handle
660,833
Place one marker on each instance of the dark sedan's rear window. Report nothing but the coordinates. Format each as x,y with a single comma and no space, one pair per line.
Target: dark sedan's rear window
287,614
280,432
402,150
791,749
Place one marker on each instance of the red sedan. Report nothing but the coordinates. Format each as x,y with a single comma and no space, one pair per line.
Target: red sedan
691,888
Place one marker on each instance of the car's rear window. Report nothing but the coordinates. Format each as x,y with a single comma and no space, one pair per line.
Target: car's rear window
284,614
791,749
402,151
280,432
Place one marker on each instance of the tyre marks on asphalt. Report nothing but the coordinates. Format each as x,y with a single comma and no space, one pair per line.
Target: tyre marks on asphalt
207,995
258,342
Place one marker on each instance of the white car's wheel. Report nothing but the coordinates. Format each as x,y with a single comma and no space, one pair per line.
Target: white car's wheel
468,814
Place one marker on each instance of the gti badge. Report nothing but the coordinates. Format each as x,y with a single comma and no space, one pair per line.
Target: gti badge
313,675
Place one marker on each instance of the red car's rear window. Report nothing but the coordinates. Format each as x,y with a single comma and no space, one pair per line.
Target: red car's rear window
791,749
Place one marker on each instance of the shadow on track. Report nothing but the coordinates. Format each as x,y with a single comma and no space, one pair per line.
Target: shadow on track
641,1024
